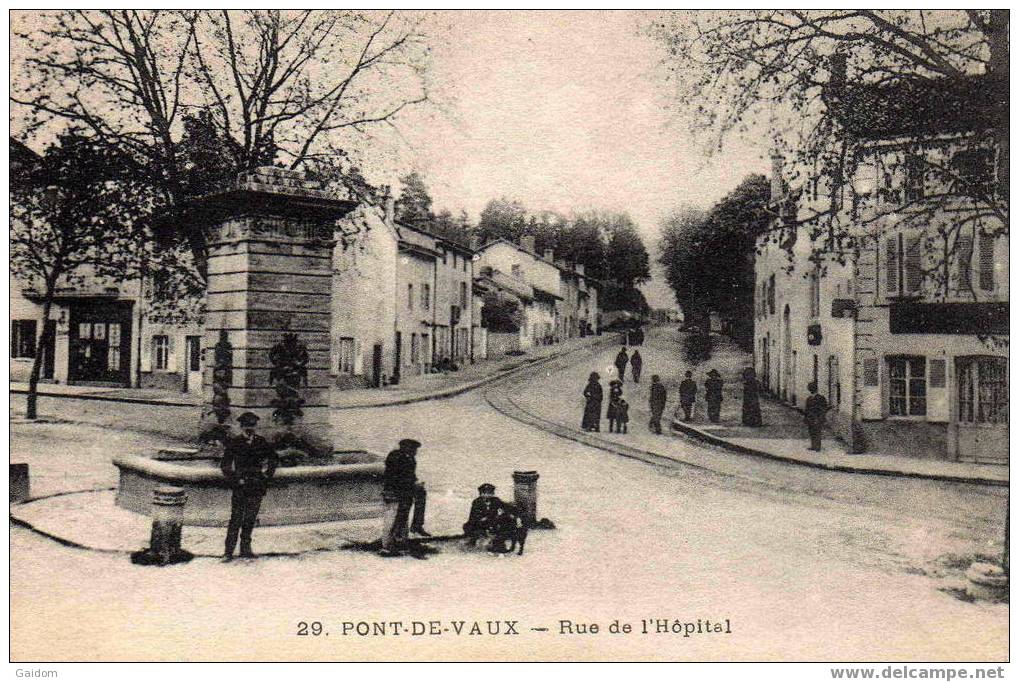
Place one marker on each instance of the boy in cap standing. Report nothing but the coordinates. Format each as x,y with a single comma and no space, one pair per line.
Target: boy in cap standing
249,462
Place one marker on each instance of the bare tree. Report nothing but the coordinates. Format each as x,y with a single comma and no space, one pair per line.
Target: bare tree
832,85
270,85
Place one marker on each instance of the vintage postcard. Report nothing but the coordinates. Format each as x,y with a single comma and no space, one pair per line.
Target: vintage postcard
514,336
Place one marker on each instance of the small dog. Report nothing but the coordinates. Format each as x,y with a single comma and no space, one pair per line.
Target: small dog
508,527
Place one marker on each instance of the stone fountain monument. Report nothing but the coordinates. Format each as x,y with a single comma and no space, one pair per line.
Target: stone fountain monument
267,351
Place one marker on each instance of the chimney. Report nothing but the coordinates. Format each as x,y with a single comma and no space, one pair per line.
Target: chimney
475,242
777,185
527,241
549,256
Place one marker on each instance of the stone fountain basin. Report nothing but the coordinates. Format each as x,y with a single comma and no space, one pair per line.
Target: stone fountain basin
348,488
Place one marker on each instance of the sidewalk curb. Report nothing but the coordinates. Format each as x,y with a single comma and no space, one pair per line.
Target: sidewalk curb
438,395
686,429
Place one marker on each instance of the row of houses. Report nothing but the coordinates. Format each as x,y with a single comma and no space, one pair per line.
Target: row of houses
906,332
405,302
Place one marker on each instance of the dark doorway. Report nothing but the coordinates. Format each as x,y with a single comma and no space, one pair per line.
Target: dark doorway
395,379
49,349
100,343
377,365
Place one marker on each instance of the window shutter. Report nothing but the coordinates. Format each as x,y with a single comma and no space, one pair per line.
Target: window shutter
171,353
986,262
870,372
914,272
937,374
964,256
892,247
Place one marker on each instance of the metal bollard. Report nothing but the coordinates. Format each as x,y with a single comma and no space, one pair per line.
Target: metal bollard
167,523
525,495
20,487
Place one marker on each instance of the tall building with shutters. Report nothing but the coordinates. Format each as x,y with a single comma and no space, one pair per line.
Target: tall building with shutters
906,334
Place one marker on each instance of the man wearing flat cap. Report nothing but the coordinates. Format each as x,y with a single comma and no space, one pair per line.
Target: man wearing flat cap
249,461
400,491
484,509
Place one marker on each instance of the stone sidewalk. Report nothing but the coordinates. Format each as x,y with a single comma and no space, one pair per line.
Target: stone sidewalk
783,438
412,389
784,435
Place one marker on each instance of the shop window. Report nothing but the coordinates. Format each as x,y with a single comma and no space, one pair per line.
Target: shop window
983,390
907,388
23,338
160,352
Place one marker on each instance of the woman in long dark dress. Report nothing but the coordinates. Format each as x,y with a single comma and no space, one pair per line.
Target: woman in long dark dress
592,404
751,399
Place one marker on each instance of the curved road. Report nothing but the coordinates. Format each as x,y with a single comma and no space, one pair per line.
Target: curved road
806,564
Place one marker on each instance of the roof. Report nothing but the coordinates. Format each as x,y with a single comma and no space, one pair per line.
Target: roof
921,106
532,254
443,241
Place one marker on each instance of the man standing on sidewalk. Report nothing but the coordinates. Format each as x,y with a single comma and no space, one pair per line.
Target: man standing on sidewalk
636,364
687,395
814,412
400,491
658,399
249,462
621,360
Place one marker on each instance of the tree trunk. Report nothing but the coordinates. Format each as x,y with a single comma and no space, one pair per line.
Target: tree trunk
31,410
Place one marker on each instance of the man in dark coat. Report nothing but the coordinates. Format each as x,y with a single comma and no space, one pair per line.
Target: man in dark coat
636,365
687,395
713,395
400,491
249,462
621,360
484,510
814,412
657,403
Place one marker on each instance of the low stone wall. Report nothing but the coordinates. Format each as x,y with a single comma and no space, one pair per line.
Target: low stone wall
500,344
167,381
349,489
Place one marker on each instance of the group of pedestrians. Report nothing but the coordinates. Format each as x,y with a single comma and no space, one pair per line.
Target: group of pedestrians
618,412
713,396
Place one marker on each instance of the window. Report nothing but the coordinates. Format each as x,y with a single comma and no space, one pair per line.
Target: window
986,262
916,179
983,390
463,295
974,169
113,352
414,351
454,260
160,352
346,356
426,350
23,338
410,296
426,296
443,256
465,264
907,389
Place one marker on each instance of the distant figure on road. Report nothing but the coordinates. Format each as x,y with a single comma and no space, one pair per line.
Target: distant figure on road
814,412
621,360
592,404
615,394
657,403
713,395
249,462
687,395
751,398
636,365
622,415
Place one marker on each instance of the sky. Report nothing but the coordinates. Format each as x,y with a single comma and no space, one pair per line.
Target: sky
566,111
